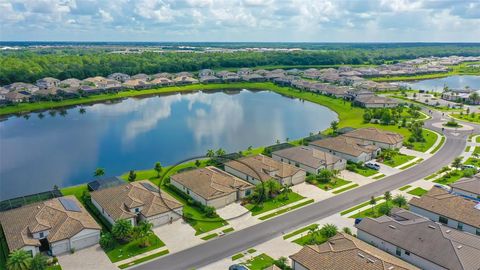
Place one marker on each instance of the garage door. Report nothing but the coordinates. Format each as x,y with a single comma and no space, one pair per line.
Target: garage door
59,248
160,220
85,241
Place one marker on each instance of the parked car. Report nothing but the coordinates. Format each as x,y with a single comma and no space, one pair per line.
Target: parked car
373,166
468,166
237,267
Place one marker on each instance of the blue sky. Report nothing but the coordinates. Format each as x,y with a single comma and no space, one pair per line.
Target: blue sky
241,20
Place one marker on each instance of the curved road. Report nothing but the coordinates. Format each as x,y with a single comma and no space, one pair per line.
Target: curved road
214,250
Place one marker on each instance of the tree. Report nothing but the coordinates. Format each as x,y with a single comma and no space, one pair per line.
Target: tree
347,230
400,200
324,176
158,168
388,196
220,152
474,97
143,231
39,262
334,126
372,202
132,176
385,209
328,230
99,172
19,260
210,211
457,162
273,187
122,230
282,263
197,163
210,153
107,241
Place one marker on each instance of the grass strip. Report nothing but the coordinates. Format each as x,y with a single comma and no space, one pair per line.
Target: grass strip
299,231
417,191
210,236
468,148
345,189
144,259
442,141
405,187
411,164
237,256
286,210
430,177
359,206
252,250
228,230
379,176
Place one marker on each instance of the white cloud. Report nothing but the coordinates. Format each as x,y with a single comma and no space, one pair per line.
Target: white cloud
106,17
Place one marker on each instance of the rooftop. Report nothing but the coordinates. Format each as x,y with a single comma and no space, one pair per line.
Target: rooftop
346,145
262,166
471,185
375,134
311,157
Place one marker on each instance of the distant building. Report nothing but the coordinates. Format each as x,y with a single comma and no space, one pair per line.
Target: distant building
309,159
121,77
375,136
206,72
47,83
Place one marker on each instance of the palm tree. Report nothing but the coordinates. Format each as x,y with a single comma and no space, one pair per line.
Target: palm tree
99,172
210,153
373,202
143,231
19,260
457,162
158,168
273,187
400,200
220,152
39,262
388,196
334,126
122,230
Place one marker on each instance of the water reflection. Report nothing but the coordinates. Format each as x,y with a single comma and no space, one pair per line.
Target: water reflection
48,150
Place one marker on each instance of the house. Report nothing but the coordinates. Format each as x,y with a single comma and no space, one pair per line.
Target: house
206,72
47,82
378,137
253,78
161,81
137,84
3,92
17,96
345,252
99,83
211,186
373,101
260,168
121,77
183,80
20,86
261,72
468,187
135,202
351,149
421,242
309,159
163,75
141,76
72,82
448,209
228,76
57,225
244,71
209,79
184,74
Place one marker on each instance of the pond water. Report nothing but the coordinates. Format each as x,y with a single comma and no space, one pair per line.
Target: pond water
453,82
65,149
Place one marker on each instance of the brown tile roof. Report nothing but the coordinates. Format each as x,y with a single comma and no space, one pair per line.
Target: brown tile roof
376,135
440,201
19,224
263,166
345,252
117,200
471,185
273,267
347,145
449,248
375,100
210,182
311,157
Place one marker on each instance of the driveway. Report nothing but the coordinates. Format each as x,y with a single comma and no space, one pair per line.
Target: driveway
88,258
177,236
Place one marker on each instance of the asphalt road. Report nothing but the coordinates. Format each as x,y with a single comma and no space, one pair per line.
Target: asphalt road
214,250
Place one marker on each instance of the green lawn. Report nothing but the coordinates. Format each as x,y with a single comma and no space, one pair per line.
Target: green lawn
442,141
259,262
417,191
431,176
284,210
299,231
251,250
237,256
144,259
227,230
398,159
477,140
380,176
369,213
76,191
210,236
405,187
54,267
465,117
362,170
359,206
200,222
449,178
411,164
345,189
473,161
335,183
467,149
430,139
476,150
304,240
271,204
132,248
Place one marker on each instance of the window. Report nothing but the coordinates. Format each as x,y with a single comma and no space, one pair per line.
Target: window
137,210
460,226
477,232
297,165
443,220
248,192
398,251
407,252
41,234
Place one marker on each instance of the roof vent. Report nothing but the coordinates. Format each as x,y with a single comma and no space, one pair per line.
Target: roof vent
391,267
361,255
460,246
392,227
448,231
431,227
370,260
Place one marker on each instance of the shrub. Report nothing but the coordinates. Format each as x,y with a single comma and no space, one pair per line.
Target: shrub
209,211
385,209
328,230
107,241
122,230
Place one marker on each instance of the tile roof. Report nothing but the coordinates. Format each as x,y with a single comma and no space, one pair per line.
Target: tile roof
117,200
345,252
263,167
210,182
441,245
440,201
471,185
376,135
346,145
375,100
311,157
19,224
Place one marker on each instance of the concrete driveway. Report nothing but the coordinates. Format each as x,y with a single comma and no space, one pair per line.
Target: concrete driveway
177,236
92,258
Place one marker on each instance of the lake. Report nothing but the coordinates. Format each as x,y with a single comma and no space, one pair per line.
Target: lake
453,82
64,149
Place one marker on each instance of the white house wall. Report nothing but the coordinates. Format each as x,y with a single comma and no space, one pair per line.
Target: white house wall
435,217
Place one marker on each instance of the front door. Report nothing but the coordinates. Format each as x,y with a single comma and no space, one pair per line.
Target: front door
44,245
